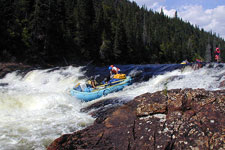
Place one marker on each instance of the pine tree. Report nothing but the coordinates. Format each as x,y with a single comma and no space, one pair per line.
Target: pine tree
105,31
105,49
208,53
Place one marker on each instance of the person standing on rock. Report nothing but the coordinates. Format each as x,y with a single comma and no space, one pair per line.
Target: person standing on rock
217,54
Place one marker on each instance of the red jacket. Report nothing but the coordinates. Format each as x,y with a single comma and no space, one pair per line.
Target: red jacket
115,70
217,52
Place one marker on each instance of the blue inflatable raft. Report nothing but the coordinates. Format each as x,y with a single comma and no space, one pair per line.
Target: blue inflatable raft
88,93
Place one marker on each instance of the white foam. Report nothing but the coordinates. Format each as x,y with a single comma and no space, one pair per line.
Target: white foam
37,108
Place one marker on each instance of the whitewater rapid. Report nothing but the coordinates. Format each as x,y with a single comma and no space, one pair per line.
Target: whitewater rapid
36,107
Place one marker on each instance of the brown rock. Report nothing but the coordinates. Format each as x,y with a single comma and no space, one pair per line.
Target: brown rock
156,105
10,67
180,119
222,84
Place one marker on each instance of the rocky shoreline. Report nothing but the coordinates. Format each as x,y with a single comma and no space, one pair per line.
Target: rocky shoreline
175,119
20,67
10,67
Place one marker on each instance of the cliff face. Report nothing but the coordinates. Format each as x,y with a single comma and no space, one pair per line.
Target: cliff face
166,120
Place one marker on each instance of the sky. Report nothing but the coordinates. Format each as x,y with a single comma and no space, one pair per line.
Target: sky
206,14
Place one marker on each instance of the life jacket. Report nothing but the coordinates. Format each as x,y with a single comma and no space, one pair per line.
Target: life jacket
198,60
217,52
115,69
89,82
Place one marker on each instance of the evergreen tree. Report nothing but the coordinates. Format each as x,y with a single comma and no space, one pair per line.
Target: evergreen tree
105,49
208,53
85,20
105,31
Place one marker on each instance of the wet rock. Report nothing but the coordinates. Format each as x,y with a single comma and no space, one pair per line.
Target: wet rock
102,109
177,119
10,67
222,84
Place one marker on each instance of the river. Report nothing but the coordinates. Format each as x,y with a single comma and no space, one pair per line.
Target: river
36,107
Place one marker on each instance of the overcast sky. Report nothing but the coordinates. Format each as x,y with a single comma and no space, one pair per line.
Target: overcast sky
207,14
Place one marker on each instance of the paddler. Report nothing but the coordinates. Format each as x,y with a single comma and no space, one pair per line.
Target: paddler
92,82
113,70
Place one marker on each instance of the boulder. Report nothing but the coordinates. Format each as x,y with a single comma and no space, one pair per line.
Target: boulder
176,119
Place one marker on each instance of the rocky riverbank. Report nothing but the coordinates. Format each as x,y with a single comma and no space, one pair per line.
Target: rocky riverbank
10,67
20,67
174,119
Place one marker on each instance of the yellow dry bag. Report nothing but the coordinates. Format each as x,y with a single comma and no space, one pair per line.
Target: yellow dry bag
119,76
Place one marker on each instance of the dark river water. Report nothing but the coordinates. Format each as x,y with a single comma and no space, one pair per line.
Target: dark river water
36,107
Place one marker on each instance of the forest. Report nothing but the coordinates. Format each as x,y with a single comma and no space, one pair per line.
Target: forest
98,31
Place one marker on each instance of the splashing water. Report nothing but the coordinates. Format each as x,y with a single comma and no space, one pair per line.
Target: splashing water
37,108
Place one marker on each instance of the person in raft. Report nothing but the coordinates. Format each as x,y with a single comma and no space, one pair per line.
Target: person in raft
184,62
217,54
113,70
198,64
92,82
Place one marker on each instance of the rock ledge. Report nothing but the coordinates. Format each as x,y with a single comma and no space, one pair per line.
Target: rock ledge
175,119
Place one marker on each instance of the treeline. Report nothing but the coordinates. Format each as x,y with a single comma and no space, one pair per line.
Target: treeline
98,31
